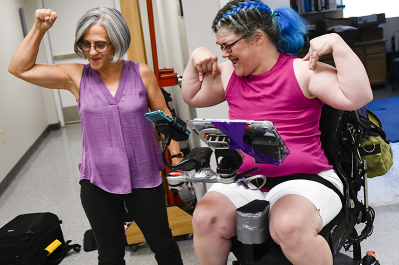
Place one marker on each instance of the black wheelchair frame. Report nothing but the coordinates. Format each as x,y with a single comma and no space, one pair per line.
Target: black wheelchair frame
341,133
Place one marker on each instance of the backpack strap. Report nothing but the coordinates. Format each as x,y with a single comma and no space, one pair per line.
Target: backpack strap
376,127
59,254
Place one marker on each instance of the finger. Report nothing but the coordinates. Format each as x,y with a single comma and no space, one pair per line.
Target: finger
53,16
205,67
200,72
307,56
313,62
37,14
310,57
201,76
47,15
215,69
41,14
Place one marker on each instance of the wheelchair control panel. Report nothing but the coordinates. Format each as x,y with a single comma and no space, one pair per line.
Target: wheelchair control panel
228,139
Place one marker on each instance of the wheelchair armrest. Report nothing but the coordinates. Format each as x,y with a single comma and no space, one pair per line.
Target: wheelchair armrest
197,158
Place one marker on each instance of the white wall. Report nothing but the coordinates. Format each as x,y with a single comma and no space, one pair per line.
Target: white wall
172,49
25,110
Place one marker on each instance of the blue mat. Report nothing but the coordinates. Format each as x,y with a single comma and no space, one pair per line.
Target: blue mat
387,110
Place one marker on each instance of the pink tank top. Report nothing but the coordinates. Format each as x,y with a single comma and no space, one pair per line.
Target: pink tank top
277,97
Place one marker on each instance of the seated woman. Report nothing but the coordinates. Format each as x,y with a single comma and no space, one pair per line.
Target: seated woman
264,81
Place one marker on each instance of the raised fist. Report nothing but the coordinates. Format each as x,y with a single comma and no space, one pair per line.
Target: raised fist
44,18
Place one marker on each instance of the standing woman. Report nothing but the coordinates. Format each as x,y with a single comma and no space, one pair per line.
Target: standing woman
121,159
264,81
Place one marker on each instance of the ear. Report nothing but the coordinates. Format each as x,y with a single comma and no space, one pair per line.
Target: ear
259,36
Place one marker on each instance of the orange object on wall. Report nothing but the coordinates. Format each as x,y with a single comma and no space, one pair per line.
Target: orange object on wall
168,80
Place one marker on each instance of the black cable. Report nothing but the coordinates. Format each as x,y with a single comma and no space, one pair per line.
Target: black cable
366,232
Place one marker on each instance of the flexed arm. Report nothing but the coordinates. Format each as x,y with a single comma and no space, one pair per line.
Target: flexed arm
202,84
23,63
347,87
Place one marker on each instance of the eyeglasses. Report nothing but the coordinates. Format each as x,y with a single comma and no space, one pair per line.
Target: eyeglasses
227,47
100,47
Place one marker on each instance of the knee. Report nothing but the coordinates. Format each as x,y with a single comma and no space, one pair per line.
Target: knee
287,232
208,219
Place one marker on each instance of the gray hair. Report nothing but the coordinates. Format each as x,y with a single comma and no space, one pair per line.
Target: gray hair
114,23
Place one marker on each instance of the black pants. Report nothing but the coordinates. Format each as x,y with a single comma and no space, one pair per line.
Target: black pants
106,214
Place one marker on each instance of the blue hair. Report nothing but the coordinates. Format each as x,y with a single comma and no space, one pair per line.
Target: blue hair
260,6
283,26
293,29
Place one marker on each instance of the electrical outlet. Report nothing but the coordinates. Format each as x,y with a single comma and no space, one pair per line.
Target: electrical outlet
3,137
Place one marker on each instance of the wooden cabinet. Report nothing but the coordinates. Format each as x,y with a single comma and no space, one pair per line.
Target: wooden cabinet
373,56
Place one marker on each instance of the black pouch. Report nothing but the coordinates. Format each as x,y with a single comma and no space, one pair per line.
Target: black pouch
33,239
89,241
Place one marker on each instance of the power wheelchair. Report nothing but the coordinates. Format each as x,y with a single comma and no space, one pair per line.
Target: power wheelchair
341,132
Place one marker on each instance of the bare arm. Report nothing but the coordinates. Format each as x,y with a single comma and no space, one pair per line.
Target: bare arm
156,101
23,63
204,79
345,87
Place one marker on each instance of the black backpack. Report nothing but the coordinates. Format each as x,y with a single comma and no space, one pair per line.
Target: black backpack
33,239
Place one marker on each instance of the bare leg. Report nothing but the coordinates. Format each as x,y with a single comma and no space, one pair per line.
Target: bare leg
214,225
294,225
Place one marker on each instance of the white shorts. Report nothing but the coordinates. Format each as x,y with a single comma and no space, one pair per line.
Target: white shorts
323,198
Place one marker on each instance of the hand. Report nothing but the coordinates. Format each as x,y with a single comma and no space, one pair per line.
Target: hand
44,18
319,46
205,61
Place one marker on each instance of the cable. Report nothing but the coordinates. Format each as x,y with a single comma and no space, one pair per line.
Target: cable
366,232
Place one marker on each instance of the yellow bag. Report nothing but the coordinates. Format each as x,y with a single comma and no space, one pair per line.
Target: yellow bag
375,149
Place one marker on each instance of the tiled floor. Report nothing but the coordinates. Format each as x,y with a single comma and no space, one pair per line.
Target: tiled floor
49,182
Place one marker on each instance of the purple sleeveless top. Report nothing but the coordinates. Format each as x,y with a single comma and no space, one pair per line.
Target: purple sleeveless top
277,97
120,151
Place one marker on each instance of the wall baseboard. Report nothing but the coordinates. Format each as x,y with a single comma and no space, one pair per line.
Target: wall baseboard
6,182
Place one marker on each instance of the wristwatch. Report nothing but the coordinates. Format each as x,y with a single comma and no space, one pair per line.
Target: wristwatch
177,155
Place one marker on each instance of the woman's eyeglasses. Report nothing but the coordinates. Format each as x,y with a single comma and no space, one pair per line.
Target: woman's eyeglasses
227,47
100,47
